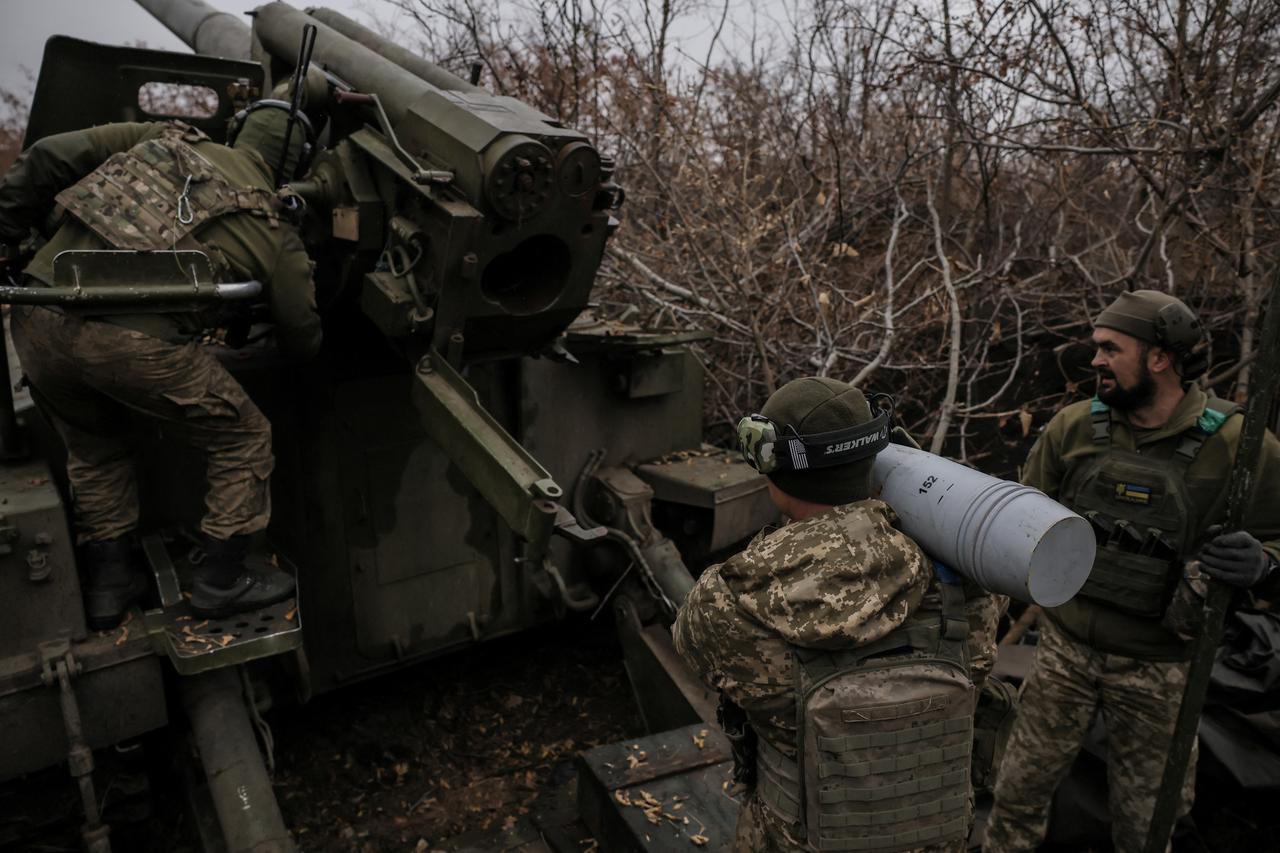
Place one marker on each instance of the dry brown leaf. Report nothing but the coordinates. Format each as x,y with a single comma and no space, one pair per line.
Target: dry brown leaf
1026,419
699,840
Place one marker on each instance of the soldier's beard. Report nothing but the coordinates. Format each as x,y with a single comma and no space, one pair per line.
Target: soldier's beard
1140,394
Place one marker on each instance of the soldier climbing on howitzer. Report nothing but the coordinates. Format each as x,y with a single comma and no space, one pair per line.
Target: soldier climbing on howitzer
157,187
838,648
1147,461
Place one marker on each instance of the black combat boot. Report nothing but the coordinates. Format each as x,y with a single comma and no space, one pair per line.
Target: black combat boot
113,582
222,584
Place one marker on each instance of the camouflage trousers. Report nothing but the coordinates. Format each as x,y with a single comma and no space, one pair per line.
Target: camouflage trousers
88,375
760,832
1069,682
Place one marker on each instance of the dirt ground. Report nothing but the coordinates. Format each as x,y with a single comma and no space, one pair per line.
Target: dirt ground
464,744
470,743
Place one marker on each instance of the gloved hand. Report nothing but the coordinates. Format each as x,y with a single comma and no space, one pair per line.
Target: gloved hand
1234,558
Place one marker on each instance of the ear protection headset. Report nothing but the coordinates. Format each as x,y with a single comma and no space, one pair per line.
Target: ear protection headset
299,117
768,449
1178,330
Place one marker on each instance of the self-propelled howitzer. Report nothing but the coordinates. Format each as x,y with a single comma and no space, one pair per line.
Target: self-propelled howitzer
464,408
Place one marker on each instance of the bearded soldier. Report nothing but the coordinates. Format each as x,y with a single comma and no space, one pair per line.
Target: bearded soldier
1147,462
148,187
839,658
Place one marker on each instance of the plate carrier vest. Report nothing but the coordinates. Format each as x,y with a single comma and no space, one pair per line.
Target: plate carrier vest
877,775
1141,514
158,193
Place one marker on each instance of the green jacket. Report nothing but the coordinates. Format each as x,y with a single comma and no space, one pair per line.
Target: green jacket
1067,444
254,250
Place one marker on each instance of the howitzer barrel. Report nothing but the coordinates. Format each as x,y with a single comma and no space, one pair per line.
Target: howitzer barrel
1006,537
408,60
201,27
278,26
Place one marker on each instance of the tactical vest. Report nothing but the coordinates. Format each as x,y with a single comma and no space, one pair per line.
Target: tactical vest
158,193
883,738
1141,513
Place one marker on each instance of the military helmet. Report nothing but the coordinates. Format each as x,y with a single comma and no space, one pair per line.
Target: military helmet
1161,319
816,439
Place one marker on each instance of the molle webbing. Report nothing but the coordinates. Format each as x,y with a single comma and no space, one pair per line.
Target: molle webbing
905,840
851,742
778,783
158,193
1141,512
915,785
884,733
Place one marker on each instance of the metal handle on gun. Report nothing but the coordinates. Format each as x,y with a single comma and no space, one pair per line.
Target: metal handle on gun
419,174
295,103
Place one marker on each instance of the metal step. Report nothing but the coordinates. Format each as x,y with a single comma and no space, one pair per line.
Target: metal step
194,644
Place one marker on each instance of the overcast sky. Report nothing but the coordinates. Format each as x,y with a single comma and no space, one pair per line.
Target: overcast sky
26,24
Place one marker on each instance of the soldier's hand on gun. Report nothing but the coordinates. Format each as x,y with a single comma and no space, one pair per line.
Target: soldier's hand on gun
1234,558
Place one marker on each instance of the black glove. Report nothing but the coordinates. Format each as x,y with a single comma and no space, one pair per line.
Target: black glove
1235,558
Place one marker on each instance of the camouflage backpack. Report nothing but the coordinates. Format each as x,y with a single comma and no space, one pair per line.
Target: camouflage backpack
884,734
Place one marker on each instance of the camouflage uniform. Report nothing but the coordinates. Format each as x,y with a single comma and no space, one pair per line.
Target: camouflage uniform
1094,658
1069,683
838,580
984,610
88,376
88,373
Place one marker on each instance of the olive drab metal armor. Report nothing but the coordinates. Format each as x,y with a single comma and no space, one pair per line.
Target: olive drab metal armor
157,194
1141,512
874,773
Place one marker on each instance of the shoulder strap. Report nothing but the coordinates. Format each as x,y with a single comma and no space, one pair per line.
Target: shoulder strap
1216,413
1100,415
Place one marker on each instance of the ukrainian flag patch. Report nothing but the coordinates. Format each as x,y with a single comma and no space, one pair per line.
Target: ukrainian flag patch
1133,493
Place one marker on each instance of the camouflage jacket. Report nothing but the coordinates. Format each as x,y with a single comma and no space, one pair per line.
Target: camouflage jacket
252,248
1066,446
837,580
